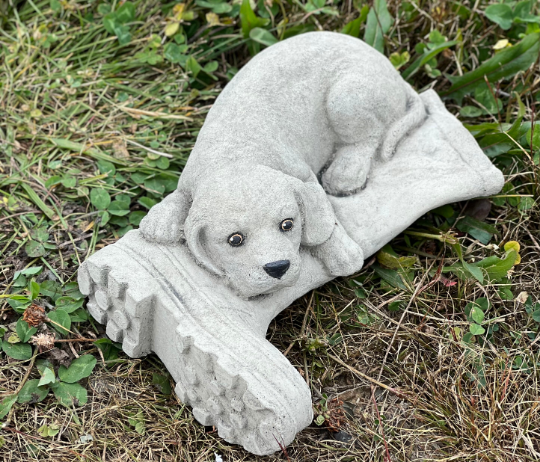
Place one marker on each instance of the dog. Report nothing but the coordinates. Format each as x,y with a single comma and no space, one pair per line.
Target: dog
304,118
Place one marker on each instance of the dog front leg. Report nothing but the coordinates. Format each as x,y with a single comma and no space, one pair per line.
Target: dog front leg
164,221
340,255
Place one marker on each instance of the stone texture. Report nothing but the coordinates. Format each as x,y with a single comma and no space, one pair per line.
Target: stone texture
437,164
321,130
211,341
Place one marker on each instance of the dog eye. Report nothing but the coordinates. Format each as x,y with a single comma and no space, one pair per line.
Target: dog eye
236,239
287,224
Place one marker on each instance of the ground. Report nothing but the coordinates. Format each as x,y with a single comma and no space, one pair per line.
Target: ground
429,353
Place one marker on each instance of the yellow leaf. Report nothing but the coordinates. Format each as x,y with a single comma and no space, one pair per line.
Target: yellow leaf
172,28
457,332
89,227
188,16
399,59
390,261
213,19
13,338
504,43
512,245
178,10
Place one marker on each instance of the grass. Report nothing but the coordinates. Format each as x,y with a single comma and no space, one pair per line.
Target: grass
92,95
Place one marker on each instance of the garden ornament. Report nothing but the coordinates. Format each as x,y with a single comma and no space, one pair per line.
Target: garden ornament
313,157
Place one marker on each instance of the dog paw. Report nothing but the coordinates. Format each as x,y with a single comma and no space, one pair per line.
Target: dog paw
161,225
347,174
346,261
340,254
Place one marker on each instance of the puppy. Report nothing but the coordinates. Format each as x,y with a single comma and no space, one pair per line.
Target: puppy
319,105
250,228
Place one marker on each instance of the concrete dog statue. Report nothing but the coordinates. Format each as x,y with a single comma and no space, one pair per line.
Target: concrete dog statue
319,105
283,152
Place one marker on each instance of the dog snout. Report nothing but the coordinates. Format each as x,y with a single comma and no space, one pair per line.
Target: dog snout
277,269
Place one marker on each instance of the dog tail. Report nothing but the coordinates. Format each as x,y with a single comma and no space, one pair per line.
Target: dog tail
414,117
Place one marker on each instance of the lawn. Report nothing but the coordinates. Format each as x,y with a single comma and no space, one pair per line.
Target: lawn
431,352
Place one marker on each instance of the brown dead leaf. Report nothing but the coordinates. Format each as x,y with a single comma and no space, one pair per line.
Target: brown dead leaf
59,358
478,209
120,150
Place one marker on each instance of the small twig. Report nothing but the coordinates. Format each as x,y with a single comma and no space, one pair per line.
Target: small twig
199,33
23,381
412,331
153,151
73,350
405,311
533,239
443,237
387,451
306,370
286,352
20,213
302,333
533,113
303,329
367,377
435,279
77,216
84,236
508,373
160,115
18,432
19,388
69,340
494,94
59,325
283,448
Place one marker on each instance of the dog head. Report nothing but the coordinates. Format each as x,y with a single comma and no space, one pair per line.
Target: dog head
247,225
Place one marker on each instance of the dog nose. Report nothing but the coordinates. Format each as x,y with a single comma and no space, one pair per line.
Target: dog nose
277,269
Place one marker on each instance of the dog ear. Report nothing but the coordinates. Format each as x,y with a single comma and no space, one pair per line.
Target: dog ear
194,232
165,220
318,218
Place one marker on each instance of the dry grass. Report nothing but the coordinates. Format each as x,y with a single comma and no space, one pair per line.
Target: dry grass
431,408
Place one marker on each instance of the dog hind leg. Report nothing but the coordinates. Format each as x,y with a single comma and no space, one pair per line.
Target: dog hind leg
349,171
358,110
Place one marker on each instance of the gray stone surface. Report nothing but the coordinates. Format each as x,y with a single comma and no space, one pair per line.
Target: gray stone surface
317,153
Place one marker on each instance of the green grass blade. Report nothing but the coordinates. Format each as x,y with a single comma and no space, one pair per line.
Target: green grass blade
37,200
504,64
378,24
421,60
83,149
